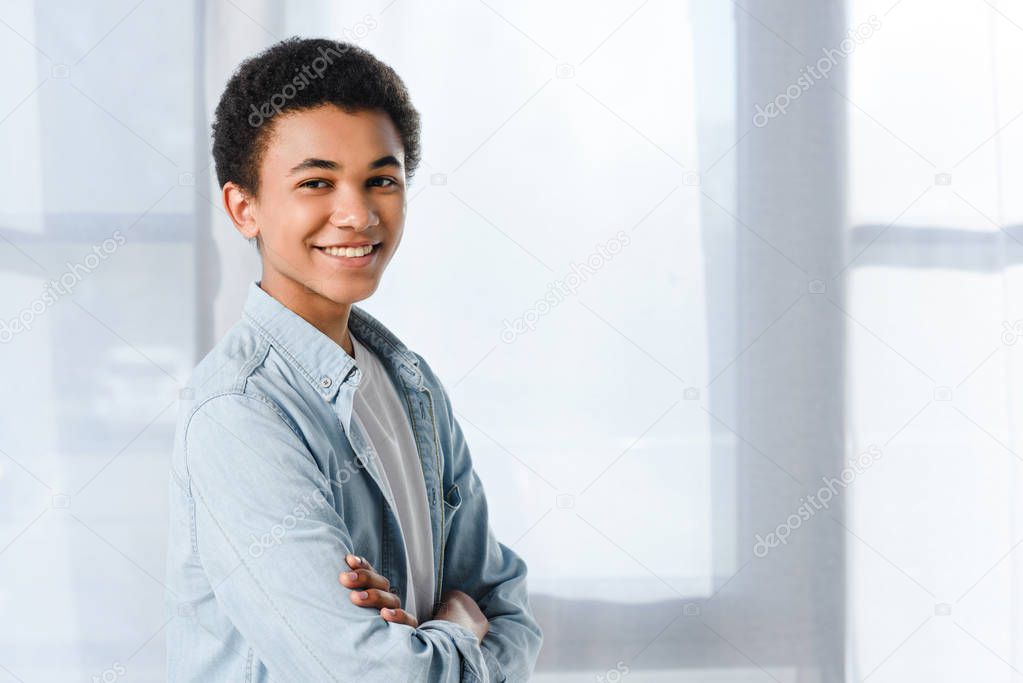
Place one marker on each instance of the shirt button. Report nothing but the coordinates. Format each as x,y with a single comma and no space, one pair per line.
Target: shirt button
392,589
325,382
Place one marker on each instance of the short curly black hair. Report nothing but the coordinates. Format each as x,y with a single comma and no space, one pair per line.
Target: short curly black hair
297,74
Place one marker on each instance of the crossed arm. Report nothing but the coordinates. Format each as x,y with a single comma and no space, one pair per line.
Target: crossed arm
370,589
248,469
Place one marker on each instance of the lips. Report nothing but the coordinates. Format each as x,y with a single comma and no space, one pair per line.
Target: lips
349,251
346,244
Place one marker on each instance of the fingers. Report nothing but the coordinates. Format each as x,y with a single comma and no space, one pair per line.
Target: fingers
362,574
363,578
399,616
370,589
375,598
357,562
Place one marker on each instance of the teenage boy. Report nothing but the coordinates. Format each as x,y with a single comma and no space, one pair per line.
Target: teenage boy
326,521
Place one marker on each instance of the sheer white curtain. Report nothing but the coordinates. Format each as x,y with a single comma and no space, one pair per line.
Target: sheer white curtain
934,213
97,272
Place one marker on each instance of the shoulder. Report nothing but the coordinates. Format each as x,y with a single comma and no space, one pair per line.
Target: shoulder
234,436
226,384
228,365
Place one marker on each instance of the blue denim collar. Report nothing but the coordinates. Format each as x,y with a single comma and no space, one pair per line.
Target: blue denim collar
325,365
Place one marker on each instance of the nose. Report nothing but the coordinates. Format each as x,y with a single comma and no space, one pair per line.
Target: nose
353,210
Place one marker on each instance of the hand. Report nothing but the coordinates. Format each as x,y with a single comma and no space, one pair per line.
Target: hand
459,608
362,580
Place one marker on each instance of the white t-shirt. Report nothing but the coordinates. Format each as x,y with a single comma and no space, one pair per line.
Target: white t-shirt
381,412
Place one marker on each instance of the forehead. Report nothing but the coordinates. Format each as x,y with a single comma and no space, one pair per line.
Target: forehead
352,139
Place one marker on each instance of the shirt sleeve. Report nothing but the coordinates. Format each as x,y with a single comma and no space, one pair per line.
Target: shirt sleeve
476,563
272,545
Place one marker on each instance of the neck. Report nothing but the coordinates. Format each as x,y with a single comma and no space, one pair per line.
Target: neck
329,317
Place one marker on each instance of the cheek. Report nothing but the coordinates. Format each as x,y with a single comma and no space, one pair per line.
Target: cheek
396,239
396,221
302,216
290,224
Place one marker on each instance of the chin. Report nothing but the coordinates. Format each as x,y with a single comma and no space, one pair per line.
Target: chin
347,294
337,291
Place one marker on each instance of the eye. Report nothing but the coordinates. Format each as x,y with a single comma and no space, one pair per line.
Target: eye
307,184
392,182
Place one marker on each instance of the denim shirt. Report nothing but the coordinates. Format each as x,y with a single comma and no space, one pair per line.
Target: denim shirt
273,482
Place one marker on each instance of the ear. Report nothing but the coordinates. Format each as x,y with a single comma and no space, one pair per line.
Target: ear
240,206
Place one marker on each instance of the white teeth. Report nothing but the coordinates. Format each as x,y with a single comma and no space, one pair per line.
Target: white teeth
349,251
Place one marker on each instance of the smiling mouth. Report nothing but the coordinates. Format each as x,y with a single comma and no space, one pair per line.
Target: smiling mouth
349,252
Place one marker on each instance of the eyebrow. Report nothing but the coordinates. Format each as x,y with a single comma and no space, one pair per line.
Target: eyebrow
328,165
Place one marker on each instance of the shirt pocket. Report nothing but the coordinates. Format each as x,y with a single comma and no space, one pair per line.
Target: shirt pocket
452,502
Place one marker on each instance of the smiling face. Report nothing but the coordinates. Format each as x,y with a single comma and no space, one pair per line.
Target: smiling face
328,180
